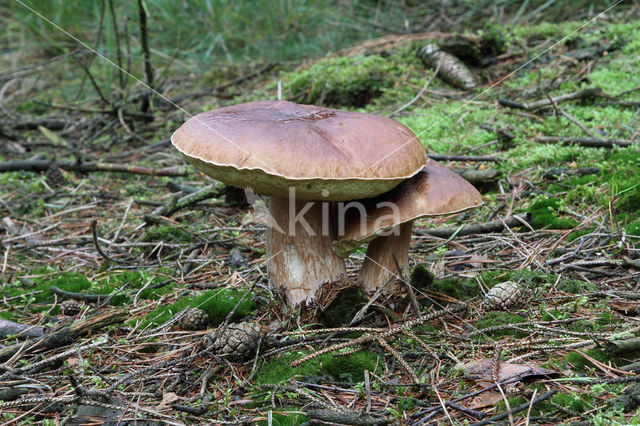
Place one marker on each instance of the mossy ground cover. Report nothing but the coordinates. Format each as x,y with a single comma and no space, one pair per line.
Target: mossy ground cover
216,303
156,270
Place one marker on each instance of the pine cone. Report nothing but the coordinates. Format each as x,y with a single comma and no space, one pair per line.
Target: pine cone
238,340
70,307
194,319
505,295
54,177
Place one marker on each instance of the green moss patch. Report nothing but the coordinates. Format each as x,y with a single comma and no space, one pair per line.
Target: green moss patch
603,320
172,234
576,286
346,81
545,214
581,364
216,303
343,308
73,282
325,367
574,402
284,418
131,280
421,279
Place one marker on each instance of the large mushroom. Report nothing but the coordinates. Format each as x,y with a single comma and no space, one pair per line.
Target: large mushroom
296,154
389,217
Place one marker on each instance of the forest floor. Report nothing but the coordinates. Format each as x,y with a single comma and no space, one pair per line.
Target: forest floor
97,207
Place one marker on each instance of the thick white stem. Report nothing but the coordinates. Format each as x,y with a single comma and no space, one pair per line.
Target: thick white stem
379,264
300,258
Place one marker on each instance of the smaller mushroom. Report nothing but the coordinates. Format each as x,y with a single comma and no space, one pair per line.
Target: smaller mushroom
389,217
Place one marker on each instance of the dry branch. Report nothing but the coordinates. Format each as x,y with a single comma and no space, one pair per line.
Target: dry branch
144,41
517,408
589,142
345,418
65,335
43,165
205,193
23,330
439,157
582,94
479,177
617,347
481,228
79,296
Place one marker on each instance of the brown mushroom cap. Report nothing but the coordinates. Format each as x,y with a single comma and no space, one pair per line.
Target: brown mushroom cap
271,146
434,191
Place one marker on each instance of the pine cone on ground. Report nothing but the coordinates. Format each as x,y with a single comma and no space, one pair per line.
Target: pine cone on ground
54,177
194,319
505,295
238,340
70,307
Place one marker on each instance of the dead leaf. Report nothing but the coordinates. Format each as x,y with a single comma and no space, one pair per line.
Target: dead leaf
486,399
167,399
627,308
72,361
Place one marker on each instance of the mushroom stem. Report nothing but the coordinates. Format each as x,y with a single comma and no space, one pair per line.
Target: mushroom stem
379,263
299,253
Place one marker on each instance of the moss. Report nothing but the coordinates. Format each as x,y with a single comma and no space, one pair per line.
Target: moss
349,367
576,286
344,81
580,363
574,235
133,280
513,401
460,289
284,418
545,215
170,234
343,308
427,328
69,281
554,315
633,228
600,322
422,279
495,318
8,315
440,126
574,402
616,182
216,303
537,280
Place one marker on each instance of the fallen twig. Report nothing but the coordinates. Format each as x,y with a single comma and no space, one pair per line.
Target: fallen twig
517,408
479,177
345,418
590,142
480,228
205,193
43,165
582,94
65,335
439,157
23,330
78,296
94,235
